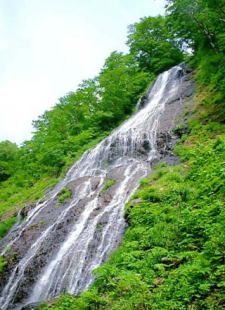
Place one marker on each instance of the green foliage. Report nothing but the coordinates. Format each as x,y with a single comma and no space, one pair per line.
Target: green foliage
198,22
107,185
9,154
153,46
64,194
6,225
211,73
199,25
3,262
121,82
13,197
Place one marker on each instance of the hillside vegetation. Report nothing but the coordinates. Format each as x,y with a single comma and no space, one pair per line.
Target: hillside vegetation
173,253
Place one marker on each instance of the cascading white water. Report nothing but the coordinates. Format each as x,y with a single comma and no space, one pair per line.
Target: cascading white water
80,236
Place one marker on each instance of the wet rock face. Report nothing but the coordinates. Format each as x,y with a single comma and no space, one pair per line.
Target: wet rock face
34,306
143,101
57,245
165,144
25,210
172,124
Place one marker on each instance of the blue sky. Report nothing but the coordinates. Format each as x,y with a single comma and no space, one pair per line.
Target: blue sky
47,47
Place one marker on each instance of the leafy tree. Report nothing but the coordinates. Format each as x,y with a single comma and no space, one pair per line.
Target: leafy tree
8,159
201,25
199,22
152,44
121,83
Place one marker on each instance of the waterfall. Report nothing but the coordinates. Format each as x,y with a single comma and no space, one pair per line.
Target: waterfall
59,246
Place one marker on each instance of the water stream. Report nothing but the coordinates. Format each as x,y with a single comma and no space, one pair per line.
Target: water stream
73,239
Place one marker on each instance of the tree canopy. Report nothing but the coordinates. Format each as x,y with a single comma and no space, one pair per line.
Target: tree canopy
152,44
